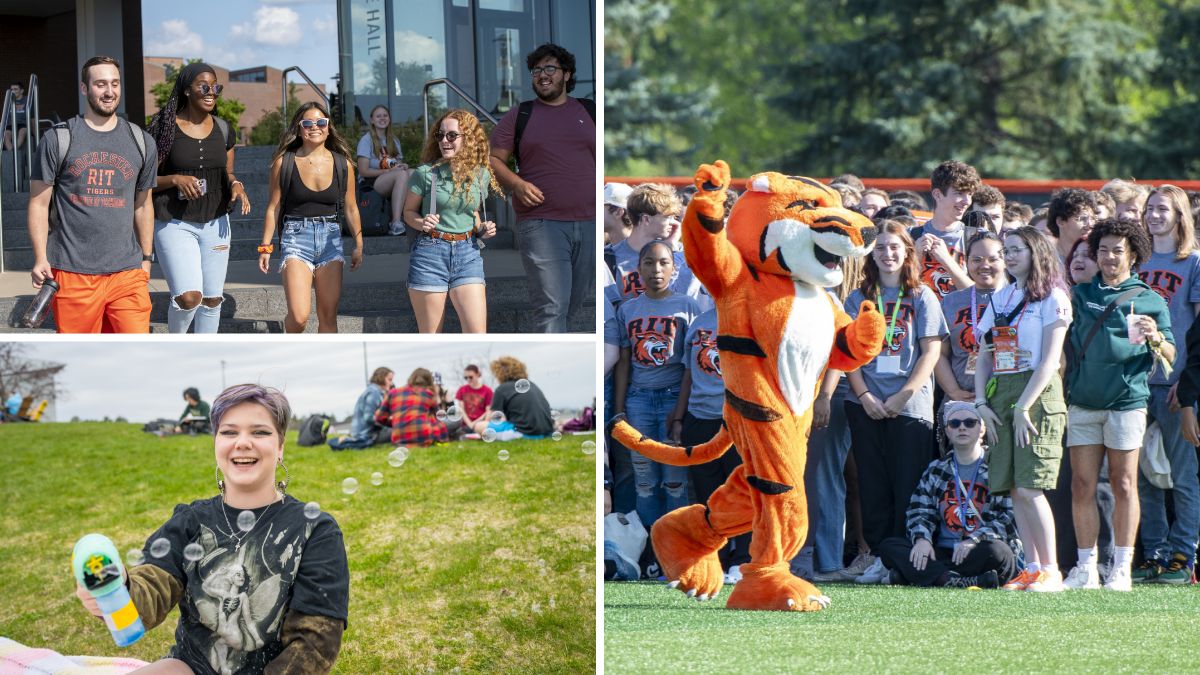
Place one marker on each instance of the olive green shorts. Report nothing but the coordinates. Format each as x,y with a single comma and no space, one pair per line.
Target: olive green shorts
1033,466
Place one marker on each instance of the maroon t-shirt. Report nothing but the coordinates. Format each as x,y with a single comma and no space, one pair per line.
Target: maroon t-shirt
558,155
475,401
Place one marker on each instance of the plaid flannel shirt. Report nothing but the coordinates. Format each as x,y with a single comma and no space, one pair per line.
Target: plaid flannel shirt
410,412
924,516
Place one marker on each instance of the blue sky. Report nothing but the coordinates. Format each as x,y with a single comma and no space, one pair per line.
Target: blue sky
243,33
145,379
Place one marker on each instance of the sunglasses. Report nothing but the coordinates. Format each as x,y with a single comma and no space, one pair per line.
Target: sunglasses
320,123
968,423
215,89
448,135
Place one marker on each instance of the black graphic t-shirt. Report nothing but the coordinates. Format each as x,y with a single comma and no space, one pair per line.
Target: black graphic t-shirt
95,196
528,412
238,591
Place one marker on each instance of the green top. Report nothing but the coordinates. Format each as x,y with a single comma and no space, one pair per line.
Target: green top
201,409
457,211
1114,374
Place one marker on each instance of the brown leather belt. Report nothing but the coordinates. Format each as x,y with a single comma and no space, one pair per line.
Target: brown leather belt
446,236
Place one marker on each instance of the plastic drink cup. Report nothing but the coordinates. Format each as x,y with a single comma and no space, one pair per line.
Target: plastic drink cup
98,568
1136,336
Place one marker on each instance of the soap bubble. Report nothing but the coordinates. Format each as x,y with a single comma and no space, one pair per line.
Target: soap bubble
552,602
589,447
554,415
246,520
312,510
396,457
441,415
350,485
377,478
193,551
522,386
496,417
134,557
503,455
488,435
537,608
453,413
160,547
557,435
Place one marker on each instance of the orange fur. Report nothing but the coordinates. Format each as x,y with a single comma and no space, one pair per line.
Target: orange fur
779,332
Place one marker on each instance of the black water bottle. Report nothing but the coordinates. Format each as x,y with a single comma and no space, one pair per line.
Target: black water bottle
35,314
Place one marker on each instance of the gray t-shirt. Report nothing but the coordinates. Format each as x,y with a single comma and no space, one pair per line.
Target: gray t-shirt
629,280
95,197
366,149
917,318
1178,282
952,525
961,319
701,358
654,331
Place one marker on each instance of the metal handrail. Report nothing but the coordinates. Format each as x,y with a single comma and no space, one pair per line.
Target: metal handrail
462,94
307,79
32,112
4,122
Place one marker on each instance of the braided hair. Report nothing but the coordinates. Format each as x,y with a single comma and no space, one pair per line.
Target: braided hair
162,125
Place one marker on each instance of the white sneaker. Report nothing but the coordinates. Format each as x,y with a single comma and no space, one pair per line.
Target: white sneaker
858,566
875,574
1119,580
734,575
396,228
1082,578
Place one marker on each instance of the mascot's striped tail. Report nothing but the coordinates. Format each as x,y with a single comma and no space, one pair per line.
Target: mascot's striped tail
675,455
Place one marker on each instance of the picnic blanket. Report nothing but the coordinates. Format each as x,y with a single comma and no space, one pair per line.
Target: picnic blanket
17,659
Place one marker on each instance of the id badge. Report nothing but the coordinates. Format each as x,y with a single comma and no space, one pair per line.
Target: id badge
971,357
887,365
1004,349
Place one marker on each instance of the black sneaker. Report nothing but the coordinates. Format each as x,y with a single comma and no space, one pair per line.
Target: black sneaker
988,579
1148,571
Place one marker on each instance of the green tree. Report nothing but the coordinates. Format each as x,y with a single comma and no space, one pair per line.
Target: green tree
229,109
1173,149
269,129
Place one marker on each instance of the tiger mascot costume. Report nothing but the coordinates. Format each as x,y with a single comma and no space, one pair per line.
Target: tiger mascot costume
777,331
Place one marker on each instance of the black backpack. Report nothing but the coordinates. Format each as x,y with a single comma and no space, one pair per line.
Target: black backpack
287,168
313,431
373,212
526,111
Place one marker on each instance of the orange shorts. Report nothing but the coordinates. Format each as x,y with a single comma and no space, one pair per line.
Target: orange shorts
102,303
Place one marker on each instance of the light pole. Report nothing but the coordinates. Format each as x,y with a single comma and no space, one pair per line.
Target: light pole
222,374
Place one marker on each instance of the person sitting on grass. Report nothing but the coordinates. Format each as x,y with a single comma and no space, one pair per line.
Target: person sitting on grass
473,399
194,419
522,403
959,534
411,412
272,596
364,430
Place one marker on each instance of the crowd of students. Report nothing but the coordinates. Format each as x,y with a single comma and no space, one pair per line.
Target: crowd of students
1032,360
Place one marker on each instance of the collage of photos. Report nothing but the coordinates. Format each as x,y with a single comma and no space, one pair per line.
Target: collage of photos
637,336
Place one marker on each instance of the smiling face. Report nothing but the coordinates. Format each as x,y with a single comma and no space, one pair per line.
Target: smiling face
550,87
889,253
1083,269
1017,257
380,119
952,204
985,264
450,142
1078,225
661,226
197,97
315,134
656,266
103,89
247,449
1114,257
1160,217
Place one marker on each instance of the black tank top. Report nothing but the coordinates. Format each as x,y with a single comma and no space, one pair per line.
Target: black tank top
301,202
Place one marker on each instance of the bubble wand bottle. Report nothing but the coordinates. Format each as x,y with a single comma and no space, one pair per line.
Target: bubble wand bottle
98,568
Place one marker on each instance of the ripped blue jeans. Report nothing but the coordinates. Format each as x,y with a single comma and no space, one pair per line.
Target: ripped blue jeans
193,257
659,488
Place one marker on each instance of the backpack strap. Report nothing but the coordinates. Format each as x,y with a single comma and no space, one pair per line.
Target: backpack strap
523,114
610,260
62,133
223,125
339,179
139,139
589,105
1119,300
287,168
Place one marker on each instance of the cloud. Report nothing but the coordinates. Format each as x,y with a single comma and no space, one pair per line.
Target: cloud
175,38
420,49
272,26
325,25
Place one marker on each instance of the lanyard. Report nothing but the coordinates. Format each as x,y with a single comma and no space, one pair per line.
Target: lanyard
964,501
975,318
887,338
1013,299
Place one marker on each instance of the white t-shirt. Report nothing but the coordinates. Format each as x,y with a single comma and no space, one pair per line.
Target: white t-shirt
1036,316
365,150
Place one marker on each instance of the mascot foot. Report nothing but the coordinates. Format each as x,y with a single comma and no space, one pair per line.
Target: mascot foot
775,588
687,551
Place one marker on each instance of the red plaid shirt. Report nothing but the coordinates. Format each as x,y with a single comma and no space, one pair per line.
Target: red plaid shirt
410,412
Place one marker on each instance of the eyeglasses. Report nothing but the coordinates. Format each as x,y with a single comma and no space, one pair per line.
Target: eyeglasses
215,89
967,423
549,70
320,123
448,135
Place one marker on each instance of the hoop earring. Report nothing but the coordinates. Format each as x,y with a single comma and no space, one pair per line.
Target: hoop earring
217,477
287,478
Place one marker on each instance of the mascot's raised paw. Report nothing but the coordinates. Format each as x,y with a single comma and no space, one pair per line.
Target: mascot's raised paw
775,588
712,181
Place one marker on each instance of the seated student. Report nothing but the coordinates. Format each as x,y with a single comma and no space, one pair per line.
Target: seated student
271,598
194,419
526,411
959,533
411,412
364,431
473,399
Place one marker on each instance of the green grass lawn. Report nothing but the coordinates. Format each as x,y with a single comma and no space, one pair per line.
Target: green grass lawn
651,629
458,560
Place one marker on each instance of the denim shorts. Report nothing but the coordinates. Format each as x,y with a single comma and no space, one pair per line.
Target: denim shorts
437,265
313,241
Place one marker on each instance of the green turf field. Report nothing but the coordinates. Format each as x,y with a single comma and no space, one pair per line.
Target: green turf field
651,629
458,560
